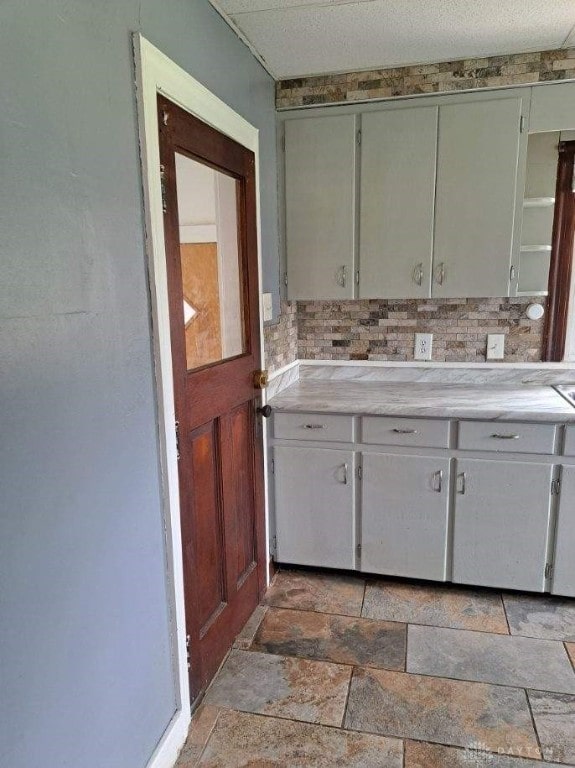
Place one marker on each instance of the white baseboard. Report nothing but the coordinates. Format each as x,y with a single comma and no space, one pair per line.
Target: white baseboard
166,753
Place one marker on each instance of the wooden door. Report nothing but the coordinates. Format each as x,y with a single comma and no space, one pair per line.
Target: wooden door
314,506
501,529
398,157
404,515
564,565
320,206
476,199
220,440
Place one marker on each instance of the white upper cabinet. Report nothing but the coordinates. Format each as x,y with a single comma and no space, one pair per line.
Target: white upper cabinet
398,149
476,198
552,108
320,206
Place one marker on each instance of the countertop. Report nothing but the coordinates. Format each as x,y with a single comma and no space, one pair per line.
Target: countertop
513,402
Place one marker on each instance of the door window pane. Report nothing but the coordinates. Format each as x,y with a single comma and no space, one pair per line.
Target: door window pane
212,280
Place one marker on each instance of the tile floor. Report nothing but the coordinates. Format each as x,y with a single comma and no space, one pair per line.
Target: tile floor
337,670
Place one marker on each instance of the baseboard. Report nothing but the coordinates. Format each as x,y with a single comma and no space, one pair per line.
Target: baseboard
173,739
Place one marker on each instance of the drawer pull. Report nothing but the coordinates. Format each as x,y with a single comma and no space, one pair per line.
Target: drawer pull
404,431
314,426
344,474
438,477
462,479
505,437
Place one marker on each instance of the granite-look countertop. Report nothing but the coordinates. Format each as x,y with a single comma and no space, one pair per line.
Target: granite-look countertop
512,402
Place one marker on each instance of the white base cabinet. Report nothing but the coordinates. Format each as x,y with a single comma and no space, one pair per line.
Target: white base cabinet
564,566
501,530
405,506
314,510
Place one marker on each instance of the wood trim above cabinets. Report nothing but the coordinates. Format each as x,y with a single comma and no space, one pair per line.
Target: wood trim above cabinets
555,333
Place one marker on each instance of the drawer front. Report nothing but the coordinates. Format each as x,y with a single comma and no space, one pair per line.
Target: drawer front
387,430
569,449
506,437
313,426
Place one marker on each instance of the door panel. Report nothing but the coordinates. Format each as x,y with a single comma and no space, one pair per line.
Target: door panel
404,514
398,154
501,527
212,269
564,567
320,200
314,493
477,164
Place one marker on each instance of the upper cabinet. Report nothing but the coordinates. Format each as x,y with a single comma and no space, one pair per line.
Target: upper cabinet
476,197
423,198
320,157
398,160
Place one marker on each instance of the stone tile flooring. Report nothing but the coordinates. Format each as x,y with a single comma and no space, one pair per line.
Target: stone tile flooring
338,670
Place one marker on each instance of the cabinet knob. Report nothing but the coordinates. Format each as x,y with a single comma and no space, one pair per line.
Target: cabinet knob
265,411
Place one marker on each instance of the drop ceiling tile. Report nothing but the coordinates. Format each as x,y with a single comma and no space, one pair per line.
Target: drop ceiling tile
300,40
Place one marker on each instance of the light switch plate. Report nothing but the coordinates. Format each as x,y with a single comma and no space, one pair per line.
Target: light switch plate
267,307
423,346
495,346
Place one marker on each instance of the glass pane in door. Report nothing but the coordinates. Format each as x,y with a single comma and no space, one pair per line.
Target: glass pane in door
212,279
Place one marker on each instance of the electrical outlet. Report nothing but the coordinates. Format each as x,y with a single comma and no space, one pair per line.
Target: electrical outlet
267,307
495,346
423,345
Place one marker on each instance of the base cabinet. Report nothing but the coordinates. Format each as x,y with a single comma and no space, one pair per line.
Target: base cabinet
404,520
314,510
564,566
501,525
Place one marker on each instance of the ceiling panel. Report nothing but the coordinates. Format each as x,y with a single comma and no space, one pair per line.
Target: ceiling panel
297,38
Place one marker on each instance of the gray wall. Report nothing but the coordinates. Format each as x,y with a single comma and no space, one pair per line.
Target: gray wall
85,668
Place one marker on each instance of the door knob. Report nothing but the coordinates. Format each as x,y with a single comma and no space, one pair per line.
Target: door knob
265,411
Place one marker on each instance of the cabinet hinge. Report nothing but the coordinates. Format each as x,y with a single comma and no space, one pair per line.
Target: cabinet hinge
555,487
360,472
177,428
549,570
283,143
359,138
273,466
512,272
522,124
357,276
285,279
163,187
358,550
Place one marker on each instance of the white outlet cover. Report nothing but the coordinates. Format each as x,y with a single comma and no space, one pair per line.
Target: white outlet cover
267,307
423,346
495,346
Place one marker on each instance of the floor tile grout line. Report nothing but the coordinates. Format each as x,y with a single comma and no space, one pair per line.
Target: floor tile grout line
534,723
363,600
571,659
506,616
347,698
210,734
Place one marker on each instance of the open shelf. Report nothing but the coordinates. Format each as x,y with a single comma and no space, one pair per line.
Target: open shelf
538,202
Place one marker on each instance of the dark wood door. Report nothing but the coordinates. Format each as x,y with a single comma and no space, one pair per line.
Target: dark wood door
206,176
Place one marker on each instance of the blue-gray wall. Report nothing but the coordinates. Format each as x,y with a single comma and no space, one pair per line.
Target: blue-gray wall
85,669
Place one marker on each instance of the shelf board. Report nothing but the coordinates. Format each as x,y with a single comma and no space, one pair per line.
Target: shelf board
535,248
538,202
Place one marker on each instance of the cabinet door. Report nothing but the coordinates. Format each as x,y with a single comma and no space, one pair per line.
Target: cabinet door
501,526
476,202
552,108
404,515
314,506
564,570
320,206
398,156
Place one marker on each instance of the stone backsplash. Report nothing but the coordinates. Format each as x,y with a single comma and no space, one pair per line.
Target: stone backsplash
377,329
443,77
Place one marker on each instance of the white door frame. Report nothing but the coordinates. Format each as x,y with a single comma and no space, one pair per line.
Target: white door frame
156,73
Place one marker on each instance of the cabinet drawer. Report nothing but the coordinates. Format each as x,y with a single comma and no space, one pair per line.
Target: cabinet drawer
313,426
507,437
569,449
386,430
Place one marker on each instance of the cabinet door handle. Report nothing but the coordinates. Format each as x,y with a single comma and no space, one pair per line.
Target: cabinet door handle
404,431
314,426
462,478
342,276
499,436
438,477
418,273
344,474
440,273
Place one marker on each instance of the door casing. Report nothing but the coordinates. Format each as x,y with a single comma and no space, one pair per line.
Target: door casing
156,73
